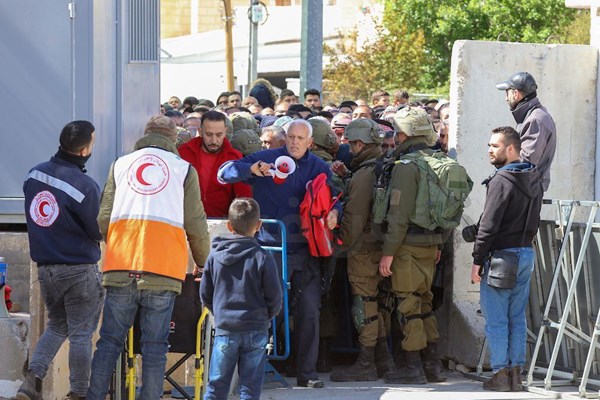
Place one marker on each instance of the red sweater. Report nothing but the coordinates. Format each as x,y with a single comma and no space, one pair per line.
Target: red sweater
216,197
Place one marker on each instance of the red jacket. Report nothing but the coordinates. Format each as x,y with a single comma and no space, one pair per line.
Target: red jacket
217,197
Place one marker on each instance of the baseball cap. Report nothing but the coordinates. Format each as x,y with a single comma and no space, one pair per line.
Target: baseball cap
521,81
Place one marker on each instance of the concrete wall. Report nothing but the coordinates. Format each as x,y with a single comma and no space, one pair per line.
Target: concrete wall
566,78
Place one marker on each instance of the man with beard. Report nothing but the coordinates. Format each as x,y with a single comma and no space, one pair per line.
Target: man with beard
509,222
534,124
206,153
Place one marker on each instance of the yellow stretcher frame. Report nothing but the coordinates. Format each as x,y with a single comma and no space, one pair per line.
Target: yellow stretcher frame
198,361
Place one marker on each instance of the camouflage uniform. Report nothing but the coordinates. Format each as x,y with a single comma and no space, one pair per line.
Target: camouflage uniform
364,253
414,250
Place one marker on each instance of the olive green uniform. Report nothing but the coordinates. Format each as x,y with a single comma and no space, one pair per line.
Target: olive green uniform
364,250
414,250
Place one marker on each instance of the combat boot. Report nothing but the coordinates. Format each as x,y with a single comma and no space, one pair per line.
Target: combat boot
411,373
434,370
363,369
383,359
31,389
500,381
516,384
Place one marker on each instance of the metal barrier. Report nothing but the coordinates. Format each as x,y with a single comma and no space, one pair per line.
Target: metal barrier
286,287
565,324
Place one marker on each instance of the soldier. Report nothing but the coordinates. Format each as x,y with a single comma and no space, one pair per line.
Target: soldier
364,251
410,253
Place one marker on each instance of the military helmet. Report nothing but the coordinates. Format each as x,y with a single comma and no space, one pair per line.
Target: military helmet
243,120
413,122
364,129
322,133
246,141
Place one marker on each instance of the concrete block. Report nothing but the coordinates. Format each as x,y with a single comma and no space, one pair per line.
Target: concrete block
14,247
13,336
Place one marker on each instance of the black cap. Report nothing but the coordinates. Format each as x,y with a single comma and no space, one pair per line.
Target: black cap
521,81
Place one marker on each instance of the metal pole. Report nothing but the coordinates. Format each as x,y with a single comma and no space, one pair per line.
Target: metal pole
229,43
311,48
253,45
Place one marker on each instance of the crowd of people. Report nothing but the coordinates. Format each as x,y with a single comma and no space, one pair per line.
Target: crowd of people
201,159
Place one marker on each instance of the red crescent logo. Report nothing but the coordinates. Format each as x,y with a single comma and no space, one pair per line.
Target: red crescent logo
139,174
41,207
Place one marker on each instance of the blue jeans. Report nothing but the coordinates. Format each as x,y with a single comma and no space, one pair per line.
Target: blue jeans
248,351
504,311
73,295
120,308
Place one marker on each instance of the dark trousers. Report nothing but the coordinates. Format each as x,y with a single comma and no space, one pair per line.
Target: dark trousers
305,304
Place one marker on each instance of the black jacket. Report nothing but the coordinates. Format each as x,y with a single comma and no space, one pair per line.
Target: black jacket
61,205
240,285
510,192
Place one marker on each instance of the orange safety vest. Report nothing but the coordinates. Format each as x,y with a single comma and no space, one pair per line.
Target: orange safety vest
146,232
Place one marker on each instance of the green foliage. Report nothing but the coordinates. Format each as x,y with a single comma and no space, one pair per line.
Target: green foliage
578,31
391,60
444,21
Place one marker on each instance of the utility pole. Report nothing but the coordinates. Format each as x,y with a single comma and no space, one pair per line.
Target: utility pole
311,47
229,43
255,16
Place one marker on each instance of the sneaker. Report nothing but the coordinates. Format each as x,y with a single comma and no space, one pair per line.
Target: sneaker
311,383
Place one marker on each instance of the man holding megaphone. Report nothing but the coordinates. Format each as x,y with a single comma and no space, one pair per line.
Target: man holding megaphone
278,178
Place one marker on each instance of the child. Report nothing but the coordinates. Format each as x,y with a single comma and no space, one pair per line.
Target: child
241,288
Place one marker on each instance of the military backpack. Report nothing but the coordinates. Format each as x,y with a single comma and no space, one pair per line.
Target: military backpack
444,185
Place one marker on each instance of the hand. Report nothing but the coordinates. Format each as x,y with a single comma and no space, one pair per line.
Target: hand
438,256
475,277
332,219
339,168
197,272
261,168
385,266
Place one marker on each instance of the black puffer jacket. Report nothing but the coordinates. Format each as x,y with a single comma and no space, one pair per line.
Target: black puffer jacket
510,192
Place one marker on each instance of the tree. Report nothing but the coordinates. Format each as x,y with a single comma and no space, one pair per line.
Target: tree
393,58
445,21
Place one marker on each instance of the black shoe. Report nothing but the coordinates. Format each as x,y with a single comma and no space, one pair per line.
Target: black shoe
311,383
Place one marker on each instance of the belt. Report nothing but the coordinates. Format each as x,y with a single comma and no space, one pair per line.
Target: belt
418,230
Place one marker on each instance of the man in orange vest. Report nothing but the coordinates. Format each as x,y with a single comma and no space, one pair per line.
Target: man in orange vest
150,204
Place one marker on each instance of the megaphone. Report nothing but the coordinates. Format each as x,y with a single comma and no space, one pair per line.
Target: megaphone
284,166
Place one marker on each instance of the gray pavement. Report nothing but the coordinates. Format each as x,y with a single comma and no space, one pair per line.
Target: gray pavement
458,387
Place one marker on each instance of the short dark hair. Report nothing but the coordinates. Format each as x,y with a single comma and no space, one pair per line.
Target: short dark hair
173,113
76,136
348,103
378,94
223,94
213,116
286,92
509,136
299,108
235,92
312,92
191,100
243,215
